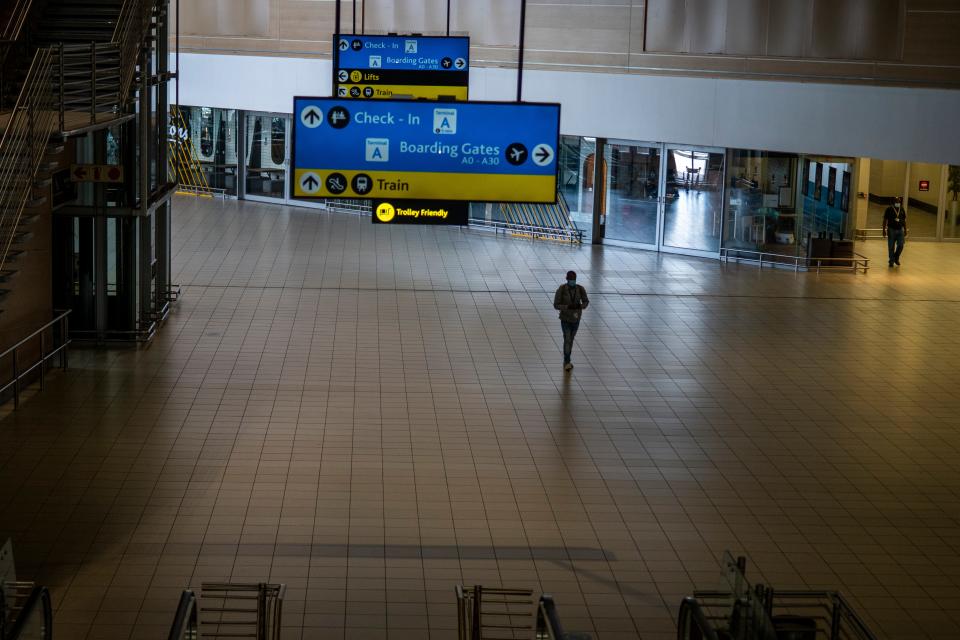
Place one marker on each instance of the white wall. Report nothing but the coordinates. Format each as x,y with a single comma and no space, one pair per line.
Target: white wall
848,120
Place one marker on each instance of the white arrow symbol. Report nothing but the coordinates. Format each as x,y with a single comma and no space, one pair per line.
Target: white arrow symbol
310,182
311,117
542,155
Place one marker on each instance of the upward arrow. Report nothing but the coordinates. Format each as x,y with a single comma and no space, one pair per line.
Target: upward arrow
312,116
310,182
343,45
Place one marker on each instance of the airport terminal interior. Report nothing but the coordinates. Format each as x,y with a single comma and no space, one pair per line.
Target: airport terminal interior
248,390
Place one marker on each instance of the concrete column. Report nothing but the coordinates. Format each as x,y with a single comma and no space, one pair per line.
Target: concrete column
861,188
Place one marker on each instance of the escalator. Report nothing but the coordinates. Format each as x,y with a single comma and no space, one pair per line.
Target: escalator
32,621
741,611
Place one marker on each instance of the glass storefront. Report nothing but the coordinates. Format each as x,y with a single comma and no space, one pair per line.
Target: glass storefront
213,134
266,155
693,200
762,202
575,179
632,196
667,197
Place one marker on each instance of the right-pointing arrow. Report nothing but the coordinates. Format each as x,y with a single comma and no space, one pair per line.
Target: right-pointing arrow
542,154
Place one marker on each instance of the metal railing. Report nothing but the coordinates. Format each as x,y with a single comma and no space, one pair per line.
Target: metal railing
20,371
184,164
34,621
550,221
823,615
19,11
23,146
132,25
548,625
487,612
692,623
856,263
357,207
88,82
186,625
241,610
867,234
529,231
758,612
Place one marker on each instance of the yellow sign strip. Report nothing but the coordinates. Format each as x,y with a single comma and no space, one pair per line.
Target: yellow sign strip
384,91
429,186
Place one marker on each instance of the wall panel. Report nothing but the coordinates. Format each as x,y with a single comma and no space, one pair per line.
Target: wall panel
775,38
746,26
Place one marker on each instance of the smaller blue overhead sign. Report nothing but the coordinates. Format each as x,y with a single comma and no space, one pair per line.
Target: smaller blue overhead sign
385,67
404,53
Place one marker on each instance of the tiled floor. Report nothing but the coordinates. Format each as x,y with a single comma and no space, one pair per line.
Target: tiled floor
375,414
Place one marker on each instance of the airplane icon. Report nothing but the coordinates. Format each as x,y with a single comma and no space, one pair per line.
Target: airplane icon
516,153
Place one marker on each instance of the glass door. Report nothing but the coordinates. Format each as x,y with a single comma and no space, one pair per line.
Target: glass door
951,221
266,156
922,200
692,187
632,172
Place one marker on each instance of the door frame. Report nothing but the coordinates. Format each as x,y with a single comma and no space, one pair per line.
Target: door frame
599,177
244,166
661,217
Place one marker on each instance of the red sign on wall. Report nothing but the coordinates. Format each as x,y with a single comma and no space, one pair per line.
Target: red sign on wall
924,185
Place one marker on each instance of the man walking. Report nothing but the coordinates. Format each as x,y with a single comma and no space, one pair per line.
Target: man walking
570,300
895,230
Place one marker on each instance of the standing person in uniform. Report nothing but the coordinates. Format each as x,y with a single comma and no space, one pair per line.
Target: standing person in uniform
570,300
895,230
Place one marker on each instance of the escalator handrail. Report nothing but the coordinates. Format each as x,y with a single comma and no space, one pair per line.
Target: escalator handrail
186,617
690,608
548,622
38,597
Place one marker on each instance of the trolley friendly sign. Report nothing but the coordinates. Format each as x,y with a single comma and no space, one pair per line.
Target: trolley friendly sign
465,151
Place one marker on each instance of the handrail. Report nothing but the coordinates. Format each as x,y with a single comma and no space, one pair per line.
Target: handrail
691,613
18,16
864,234
23,145
856,262
185,622
63,321
128,36
267,605
841,610
22,627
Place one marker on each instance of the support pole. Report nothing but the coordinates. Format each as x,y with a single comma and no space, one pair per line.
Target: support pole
178,55
354,30
523,30
448,17
336,50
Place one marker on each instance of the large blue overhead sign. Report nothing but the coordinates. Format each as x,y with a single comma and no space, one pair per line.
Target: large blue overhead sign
413,66
476,151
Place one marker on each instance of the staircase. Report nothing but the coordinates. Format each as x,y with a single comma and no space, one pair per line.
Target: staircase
79,78
73,22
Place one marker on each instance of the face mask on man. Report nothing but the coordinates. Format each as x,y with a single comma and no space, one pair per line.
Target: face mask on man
572,283
896,204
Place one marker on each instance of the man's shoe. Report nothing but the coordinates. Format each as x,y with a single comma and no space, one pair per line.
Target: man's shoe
890,264
896,262
567,366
